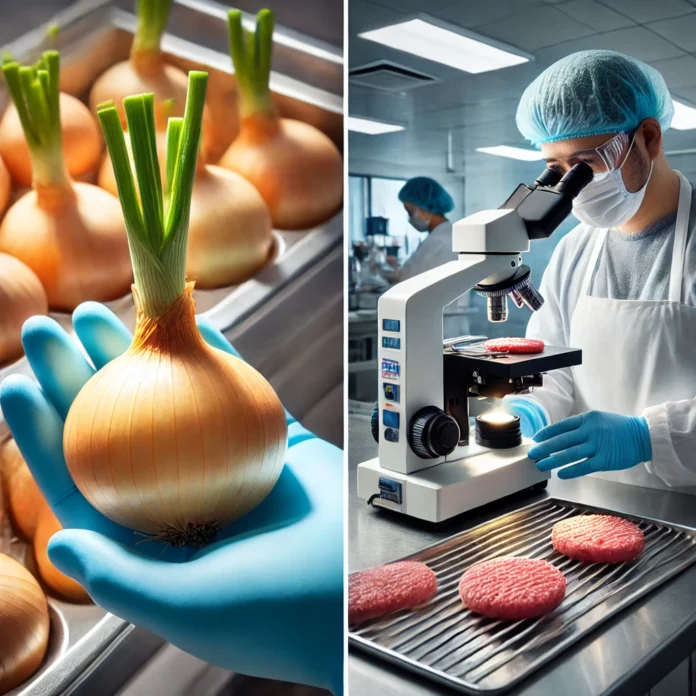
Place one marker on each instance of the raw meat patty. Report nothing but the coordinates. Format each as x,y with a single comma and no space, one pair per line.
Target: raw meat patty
514,345
598,538
382,590
512,588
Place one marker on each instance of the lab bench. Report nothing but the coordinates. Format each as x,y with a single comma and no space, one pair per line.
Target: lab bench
645,649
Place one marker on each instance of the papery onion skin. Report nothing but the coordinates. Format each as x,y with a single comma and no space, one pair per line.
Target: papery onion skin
173,432
5,186
74,240
57,582
21,296
25,501
24,624
148,73
230,232
295,167
82,142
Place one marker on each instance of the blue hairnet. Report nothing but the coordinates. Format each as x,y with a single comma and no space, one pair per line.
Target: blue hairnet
426,193
592,93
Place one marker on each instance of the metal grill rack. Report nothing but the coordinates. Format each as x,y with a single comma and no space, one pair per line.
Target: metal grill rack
447,643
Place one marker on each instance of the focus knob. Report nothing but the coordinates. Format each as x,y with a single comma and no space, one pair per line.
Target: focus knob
374,424
433,433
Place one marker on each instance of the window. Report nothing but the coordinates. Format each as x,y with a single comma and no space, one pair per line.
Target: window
373,196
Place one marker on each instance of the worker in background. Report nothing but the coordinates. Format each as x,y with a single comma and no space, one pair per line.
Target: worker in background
621,286
426,204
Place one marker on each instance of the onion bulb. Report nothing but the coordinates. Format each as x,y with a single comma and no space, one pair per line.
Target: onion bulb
25,501
5,186
146,71
24,624
207,431
72,235
21,296
295,167
52,578
81,141
230,232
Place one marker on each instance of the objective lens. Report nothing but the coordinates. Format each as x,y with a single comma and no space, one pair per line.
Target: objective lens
497,308
517,299
530,296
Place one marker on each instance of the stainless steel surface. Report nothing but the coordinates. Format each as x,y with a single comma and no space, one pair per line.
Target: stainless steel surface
625,656
444,641
286,321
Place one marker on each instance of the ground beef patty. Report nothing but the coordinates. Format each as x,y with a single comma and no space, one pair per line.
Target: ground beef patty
382,590
514,345
598,538
512,588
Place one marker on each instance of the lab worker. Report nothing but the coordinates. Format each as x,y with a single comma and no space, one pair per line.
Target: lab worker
427,203
621,286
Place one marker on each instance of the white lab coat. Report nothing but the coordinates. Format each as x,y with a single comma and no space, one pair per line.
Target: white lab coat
433,251
623,380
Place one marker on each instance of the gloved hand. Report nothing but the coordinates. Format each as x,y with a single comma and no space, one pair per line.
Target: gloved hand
532,416
596,440
265,599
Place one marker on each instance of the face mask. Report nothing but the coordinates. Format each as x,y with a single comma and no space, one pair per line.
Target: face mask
418,223
607,202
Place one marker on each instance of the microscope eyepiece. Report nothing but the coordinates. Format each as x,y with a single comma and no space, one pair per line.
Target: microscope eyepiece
549,177
575,180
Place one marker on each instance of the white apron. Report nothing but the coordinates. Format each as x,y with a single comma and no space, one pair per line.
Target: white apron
636,354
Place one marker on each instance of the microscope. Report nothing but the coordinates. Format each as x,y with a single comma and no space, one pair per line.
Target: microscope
431,465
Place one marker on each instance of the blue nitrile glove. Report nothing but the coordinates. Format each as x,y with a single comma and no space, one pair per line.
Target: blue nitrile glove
266,599
596,440
532,416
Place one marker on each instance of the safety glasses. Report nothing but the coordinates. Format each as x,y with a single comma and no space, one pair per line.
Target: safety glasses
608,157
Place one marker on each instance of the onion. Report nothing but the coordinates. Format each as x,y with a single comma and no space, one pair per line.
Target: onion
230,233
81,141
24,624
51,577
72,235
145,70
207,431
25,501
5,186
295,167
21,296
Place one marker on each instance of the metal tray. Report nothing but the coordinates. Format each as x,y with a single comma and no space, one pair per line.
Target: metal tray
91,651
447,643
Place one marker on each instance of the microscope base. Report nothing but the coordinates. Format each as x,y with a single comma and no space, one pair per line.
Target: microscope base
448,489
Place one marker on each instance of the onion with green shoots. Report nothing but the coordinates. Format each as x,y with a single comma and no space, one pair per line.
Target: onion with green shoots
173,438
230,233
5,186
82,144
71,234
146,70
295,167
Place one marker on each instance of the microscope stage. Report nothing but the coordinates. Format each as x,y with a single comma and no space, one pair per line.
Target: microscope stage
516,365
477,477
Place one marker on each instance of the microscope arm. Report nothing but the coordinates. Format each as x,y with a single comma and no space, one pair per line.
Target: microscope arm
417,305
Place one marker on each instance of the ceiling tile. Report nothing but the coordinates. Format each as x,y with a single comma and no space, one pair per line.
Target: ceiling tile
418,5
365,15
536,28
649,10
595,15
678,72
685,94
680,31
634,41
476,14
